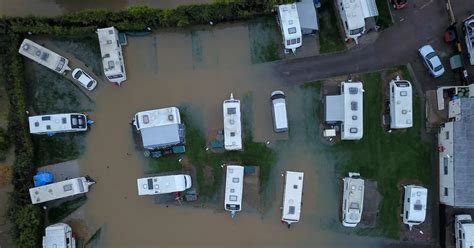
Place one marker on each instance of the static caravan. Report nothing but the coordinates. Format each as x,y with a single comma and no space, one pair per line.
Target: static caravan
112,55
60,190
353,200
234,184
353,14
232,124
57,123
464,231
160,128
44,56
414,205
290,26
59,236
280,120
163,184
401,114
292,197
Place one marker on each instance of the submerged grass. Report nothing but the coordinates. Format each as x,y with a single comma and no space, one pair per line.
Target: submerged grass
384,19
56,214
263,36
330,39
388,158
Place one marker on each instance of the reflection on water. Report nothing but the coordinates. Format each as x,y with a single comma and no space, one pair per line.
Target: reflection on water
58,7
201,68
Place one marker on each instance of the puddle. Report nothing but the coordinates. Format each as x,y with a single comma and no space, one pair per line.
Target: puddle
200,68
58,7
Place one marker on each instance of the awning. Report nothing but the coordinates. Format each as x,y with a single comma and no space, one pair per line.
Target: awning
334,108
369,7
307,15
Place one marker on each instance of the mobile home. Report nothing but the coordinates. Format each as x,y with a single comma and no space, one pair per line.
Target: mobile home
60,190
280,120
163,184
353,14
401,114
290,26
292,197
44,56
112,55
57,123
160,128
352,200
59,236
414,205
464,231
232,124
234,184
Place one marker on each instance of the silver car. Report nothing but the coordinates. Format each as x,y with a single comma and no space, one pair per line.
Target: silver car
431,60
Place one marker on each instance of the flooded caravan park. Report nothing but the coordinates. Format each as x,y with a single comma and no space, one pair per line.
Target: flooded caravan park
200,68
59,7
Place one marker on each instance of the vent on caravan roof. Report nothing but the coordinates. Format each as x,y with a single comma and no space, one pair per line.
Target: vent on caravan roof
37,124
353,105
111,64
418,206
44,56
111,31
170,117
67,187
109,42
26,47
233,198
353,130
354,117
235,179
150,183
291,210
353,90
231,111
145,119
403,93
46,118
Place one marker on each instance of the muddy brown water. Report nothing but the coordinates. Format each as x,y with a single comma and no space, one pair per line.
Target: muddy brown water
58,7
201,68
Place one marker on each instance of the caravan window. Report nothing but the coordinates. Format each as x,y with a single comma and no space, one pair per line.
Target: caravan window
288,42
445,162
356,31
298,40
292,30
403,93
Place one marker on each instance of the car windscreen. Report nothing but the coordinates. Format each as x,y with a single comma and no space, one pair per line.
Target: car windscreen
430,55
356,31
438,68
78,74
90,84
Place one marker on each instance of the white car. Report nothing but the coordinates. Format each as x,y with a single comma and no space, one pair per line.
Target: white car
431,61
468,28
84,79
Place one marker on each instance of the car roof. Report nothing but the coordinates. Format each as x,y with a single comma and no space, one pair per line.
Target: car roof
435,61
426,49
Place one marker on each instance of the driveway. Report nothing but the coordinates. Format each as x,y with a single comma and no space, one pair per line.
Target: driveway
421,22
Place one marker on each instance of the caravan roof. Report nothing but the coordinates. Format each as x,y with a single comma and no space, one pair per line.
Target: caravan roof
289,20
353,110
292,196
43,56
280,119
232,124
414,205
56,123
354,14
401,104
163,184
353,200
59,236
59,190
112,55
234,188
157,117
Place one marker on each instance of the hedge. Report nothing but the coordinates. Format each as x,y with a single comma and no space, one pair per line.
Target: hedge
28,219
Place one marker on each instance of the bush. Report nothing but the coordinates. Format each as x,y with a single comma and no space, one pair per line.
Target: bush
4,145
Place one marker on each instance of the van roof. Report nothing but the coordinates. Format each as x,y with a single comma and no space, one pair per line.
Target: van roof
401,104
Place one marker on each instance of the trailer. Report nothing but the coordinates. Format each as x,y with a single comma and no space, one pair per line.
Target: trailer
58,123
292,197
353,200
234,183
59,236
290,28
112,55
44,56
232,124
163,184
401,113
353,14
60,190
414,205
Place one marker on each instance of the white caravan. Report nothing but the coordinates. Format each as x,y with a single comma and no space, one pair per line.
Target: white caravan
464,231
57,123
353,126
353,14
353,200
292,197
401,114
468,28
290,26
160,128
59,236
163,184
112,55
60,190
232,124
414,205
280,120
234,184
44,56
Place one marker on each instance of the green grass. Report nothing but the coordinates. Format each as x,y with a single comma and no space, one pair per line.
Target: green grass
58,148
256,154
384,20
386,158
330,38
56,214
263,36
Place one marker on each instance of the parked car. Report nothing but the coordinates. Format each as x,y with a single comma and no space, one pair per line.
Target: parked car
280,120
84,79
468,28
431,61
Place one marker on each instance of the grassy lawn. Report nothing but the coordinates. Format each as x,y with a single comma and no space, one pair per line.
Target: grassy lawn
384,20
386,158
330,39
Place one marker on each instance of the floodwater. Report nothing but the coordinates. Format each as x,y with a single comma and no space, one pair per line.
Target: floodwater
200,69
58,7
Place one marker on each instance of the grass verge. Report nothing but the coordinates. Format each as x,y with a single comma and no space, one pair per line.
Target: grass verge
386,158
384,20
330,39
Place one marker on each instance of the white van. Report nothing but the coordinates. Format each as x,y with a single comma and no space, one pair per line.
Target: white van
59,236
280,119
464,231
163,184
